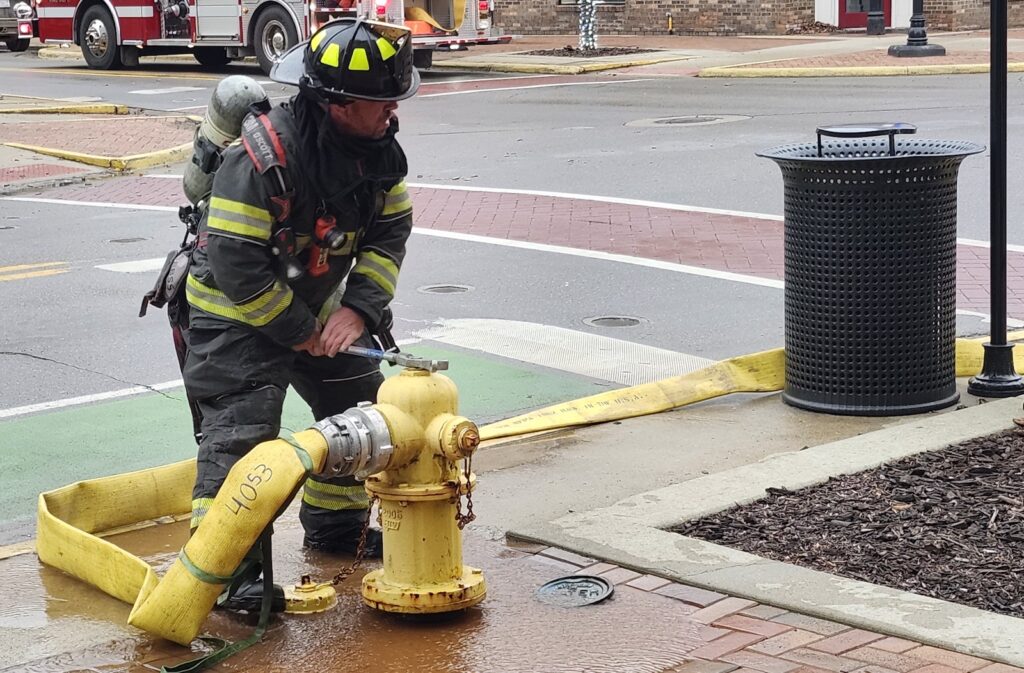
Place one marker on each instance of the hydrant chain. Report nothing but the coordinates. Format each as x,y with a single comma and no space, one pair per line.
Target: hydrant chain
345,573
467,518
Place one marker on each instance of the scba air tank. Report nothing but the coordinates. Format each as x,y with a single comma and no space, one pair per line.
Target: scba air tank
221,126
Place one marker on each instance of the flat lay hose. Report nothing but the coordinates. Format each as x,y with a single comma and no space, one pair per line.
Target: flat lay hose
262,484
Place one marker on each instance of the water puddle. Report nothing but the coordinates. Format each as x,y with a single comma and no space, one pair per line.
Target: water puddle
53,623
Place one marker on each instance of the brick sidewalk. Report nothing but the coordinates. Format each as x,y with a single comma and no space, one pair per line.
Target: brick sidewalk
104,135
31,172
746,637
744,245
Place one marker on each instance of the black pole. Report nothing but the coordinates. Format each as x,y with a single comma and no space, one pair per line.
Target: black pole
998,377
917,37
876,18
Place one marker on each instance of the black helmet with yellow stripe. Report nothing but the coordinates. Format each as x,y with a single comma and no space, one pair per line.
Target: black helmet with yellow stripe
352,58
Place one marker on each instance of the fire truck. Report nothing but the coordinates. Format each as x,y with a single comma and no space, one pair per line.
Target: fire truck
114,33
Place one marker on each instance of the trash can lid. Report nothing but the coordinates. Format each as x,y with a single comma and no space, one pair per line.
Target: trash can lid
866,130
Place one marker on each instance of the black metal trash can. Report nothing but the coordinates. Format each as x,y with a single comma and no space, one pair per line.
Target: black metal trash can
870,270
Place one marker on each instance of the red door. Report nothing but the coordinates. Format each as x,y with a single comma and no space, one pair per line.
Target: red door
854,13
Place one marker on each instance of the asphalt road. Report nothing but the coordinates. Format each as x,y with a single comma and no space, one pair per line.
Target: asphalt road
75,333
527,133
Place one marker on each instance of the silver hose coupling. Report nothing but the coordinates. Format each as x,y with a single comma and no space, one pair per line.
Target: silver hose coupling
358,442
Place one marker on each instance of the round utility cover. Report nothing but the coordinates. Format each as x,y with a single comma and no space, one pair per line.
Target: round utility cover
575,591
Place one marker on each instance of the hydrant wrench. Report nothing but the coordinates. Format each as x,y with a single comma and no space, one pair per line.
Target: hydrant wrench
403,359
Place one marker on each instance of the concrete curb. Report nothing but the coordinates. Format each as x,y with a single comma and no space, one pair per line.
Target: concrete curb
71,108
630,534
126,163
857,71
549,68
75,54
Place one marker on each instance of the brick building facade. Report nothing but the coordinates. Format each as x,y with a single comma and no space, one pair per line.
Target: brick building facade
730,17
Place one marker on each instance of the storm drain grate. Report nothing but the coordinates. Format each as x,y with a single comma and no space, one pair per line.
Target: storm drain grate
613,321
689,120
445,289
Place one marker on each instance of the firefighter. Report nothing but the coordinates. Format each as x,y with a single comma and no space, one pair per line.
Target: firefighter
297,259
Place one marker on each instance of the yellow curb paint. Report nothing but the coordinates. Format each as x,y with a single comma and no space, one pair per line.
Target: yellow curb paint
855,71
150,159
107,73
32,274
93,108
632,64
128,163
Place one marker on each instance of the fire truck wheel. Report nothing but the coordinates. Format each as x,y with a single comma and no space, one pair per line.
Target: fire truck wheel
275,34
211,57
15,44
98,38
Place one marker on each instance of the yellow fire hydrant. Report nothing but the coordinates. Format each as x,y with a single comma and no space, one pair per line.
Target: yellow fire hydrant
408,447
420,495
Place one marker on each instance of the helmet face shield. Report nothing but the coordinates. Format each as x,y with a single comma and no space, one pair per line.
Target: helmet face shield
352,58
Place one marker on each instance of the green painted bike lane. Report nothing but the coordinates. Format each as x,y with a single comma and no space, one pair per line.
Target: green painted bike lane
47,450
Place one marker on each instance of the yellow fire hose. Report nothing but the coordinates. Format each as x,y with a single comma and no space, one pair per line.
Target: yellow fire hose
458,7
264,482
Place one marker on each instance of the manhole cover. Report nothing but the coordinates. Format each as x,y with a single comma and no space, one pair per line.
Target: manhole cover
689,120
4,227
126,240
445,289
613,321
575,591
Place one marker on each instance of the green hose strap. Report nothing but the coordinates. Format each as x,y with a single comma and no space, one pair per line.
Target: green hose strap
226,648
202,575
304,457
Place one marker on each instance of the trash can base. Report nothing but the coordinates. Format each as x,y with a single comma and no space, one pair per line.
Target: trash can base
870,410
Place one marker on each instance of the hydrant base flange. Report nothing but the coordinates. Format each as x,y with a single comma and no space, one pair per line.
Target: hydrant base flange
459,594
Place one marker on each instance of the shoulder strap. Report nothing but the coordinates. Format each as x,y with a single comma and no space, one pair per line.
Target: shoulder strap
266,151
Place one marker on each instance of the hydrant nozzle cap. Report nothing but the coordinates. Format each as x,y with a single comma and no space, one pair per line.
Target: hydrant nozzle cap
460,438
468,438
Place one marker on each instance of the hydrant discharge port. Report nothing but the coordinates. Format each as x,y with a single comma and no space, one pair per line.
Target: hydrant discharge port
358,443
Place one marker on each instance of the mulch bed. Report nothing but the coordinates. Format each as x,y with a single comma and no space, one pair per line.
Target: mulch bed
947,524
574,52
812,27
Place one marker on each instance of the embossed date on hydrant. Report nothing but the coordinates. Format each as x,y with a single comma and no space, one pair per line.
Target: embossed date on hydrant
391,519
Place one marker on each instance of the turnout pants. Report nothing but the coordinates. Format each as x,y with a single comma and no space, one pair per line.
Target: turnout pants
238,379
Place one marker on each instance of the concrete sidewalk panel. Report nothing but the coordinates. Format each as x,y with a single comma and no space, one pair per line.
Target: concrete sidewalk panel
631,533
555,65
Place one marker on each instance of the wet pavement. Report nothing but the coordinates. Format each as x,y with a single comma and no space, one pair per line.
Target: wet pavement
52,623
